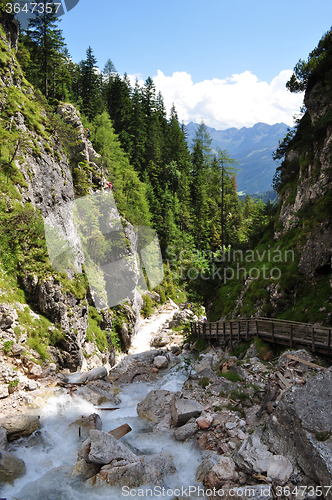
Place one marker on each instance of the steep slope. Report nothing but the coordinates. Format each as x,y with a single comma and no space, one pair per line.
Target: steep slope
252,147
46,162
296,252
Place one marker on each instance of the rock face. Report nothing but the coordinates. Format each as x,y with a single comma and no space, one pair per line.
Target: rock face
20,425
156,405
301,427
11,467
183,410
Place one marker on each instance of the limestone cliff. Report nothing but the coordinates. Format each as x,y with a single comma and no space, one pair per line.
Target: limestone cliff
54,163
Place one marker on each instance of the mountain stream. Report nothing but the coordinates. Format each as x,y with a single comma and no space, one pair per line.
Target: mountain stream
52,452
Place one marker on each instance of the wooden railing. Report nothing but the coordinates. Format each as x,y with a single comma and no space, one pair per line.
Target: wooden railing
277,331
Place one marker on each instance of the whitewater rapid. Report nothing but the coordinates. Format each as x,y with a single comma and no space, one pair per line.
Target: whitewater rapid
52,453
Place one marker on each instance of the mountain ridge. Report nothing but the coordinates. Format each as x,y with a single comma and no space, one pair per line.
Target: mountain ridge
252,147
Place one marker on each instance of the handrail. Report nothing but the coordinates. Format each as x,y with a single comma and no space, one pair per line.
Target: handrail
316,338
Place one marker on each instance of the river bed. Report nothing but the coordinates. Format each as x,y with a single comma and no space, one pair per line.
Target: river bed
52,452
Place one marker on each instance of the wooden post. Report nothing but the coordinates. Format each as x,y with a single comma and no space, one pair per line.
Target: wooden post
256,327
199,330
204,330
291,336
238,329
328,342
272,332
247,330
210,330
224,329
217,324
313,347
231,333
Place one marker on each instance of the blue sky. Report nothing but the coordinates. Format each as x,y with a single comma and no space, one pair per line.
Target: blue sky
224,62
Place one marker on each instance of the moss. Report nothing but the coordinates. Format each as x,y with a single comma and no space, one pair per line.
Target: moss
323,436
7,346
204,382
231,376
147,308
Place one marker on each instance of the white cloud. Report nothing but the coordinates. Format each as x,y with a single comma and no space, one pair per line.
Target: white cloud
239,101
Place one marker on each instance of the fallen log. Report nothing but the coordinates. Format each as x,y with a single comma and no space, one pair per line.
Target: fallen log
107,409
120,431
307,363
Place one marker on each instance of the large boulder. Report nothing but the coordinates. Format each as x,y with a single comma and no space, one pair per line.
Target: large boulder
11,467
301,428
86,424
151,469
20,425
224,470
184,409
104,448
8,315
253,455
97,373
156,405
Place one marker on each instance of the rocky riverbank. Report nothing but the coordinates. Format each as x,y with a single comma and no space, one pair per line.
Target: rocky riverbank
253,423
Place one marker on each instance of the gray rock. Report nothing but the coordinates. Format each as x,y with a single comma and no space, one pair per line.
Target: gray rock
85,424
84,470
4,391
8,315
184,409
151,469
156,405
3,438
20,425
160,362
279,468
54,485
206,466
161,339
186,431
253,455
104,448
181,318
223,470
303,414
97,373
11,467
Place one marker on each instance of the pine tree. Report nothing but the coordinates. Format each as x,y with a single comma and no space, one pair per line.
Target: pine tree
90,85
46,45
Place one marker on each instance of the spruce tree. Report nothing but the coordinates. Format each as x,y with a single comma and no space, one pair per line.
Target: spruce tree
46,46
90,85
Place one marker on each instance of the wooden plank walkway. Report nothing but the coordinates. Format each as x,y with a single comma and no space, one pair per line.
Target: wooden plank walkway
277,331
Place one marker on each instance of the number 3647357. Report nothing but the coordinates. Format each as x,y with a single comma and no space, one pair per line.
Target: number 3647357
33,7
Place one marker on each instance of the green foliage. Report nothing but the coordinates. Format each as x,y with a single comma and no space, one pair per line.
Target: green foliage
94,331
241,348
14,383
263,349
323,435
147,308
7,345
237,395
204,382
305,72
231,376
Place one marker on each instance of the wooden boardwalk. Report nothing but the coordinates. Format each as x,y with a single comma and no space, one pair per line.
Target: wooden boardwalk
289,333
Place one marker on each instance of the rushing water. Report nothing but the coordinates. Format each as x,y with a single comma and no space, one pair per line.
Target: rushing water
50,454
